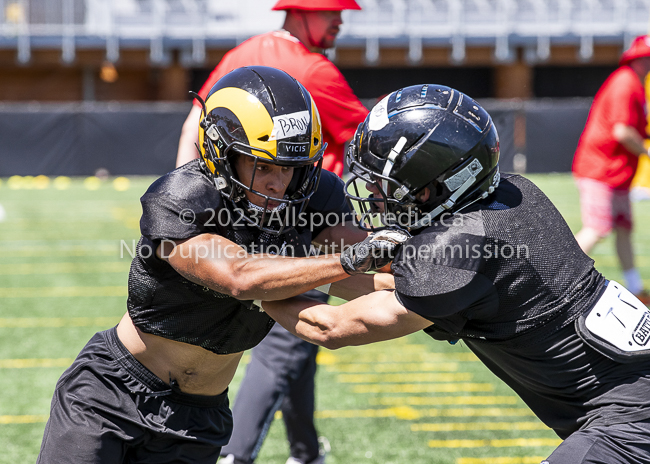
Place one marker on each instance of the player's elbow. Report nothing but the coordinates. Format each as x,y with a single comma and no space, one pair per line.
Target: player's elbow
240,290
243,289
333,343
328,339
227,281
329,333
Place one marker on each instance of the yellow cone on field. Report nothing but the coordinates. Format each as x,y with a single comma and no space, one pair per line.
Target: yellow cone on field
41,182
62,183
121,184
15,182
92,183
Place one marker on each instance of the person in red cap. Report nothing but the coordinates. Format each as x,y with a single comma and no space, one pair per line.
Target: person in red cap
281,372
310,27
607,156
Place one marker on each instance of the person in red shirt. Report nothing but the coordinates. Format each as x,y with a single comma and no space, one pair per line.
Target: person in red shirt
310,27
281,372
607,156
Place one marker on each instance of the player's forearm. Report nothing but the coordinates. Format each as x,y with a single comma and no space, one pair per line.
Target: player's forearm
361,284
304,318
371,318
186,149
225,267
269,277
189,138
260,275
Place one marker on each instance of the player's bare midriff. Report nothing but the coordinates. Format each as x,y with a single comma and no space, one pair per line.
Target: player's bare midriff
197,370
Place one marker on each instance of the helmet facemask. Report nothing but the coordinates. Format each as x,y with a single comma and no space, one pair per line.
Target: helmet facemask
399,205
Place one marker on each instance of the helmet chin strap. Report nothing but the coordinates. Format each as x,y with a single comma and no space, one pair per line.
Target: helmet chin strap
312,42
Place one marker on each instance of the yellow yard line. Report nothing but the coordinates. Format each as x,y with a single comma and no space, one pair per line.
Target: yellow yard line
398,356
423,388
325,357
406,413
467,426
50,292
397,378
34,362
502,460
443,400
29,322
25,419
50,252
409,413
395,367
64,268
404,346
508,443
477,412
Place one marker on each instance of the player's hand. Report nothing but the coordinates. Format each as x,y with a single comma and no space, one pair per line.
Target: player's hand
373,253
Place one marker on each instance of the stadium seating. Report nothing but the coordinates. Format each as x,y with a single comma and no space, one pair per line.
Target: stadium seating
193,25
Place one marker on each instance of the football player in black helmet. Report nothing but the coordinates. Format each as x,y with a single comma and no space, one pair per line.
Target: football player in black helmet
492,263
423,151
154,388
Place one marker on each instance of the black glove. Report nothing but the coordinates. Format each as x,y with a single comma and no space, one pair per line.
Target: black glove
373,253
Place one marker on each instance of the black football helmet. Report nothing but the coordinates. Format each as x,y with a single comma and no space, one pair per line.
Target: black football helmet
422,136
263,113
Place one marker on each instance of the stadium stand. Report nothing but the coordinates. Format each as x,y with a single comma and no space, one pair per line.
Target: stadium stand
193,25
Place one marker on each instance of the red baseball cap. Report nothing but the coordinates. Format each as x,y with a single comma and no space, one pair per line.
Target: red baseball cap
316,5
640,47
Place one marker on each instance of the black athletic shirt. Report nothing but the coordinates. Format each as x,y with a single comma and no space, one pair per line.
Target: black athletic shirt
183,204
508,278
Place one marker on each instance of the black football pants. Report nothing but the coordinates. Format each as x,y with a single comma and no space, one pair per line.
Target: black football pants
627,443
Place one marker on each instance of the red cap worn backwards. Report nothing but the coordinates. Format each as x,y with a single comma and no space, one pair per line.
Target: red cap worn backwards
640,47
316,5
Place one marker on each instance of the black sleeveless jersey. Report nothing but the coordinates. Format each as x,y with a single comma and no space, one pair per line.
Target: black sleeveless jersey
183,204
508,278
500,269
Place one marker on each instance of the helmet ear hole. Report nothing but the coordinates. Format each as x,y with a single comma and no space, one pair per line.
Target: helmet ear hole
437,193
300,175
437,188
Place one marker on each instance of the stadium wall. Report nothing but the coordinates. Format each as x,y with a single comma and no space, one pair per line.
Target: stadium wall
82,139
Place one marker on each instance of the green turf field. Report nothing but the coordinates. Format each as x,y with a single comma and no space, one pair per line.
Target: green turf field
64,259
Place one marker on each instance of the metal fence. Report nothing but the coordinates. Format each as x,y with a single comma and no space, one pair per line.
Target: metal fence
193,25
